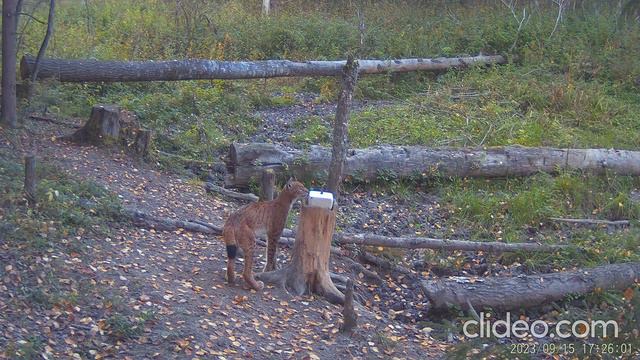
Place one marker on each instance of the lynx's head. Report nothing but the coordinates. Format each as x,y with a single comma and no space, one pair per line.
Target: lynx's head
295,189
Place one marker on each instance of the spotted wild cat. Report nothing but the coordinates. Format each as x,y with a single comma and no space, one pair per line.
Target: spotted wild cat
260,218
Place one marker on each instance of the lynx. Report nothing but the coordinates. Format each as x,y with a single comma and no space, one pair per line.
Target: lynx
261,218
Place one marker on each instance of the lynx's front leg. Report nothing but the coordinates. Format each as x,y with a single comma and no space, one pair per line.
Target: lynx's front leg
272,250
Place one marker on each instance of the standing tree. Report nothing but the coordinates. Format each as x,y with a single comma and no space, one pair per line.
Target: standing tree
9,23
341,126
45,41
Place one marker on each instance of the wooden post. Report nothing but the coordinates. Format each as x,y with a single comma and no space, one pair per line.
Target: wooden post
267,183
309,267
349,315
341,127
30,179
142,142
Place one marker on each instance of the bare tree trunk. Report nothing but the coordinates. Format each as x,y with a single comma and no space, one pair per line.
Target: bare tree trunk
505,293
341,127
309,266
266,7
9,24
96,70
249,160
30,179
45,41
267,183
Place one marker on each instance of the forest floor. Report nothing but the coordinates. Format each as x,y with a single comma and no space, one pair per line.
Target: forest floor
160,294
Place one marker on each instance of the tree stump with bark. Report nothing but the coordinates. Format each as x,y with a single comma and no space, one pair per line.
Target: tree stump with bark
109,125
308,271
103,126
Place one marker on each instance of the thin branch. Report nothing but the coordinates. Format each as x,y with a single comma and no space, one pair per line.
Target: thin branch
32,18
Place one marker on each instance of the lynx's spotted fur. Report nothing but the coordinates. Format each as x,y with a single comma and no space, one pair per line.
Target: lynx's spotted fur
260,218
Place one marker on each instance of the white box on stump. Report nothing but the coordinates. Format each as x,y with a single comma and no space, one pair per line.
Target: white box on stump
321,199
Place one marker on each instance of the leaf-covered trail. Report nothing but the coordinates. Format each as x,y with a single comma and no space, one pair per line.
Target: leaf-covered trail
178,277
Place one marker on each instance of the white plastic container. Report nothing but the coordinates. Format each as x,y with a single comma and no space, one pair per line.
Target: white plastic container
321,199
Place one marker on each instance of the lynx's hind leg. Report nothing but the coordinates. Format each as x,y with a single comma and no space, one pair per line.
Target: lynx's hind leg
248,248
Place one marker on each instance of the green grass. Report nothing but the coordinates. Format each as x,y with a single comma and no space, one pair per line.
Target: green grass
518,203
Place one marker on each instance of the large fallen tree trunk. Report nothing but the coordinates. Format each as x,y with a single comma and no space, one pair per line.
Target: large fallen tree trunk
528,291
442,244
97,70
248,160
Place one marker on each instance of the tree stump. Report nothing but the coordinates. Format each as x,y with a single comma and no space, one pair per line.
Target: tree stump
308,271
142,143
103,126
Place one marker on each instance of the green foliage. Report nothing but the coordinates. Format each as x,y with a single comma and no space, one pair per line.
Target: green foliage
65,208
504,209
311,130
122,327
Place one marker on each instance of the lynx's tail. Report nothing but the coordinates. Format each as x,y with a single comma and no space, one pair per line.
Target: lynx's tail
232,249
230,241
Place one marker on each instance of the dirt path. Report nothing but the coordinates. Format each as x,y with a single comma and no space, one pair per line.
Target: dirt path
179,277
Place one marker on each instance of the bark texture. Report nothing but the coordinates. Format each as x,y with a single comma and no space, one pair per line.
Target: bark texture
96,70
248,160
501,293
308,270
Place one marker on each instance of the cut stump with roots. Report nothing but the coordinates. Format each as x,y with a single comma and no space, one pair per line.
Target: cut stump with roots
308,271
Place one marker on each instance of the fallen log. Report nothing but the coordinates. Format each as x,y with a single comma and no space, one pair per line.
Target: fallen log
443,244
89,70
246,161
53,121
212,188
592,221
146,220
506,293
